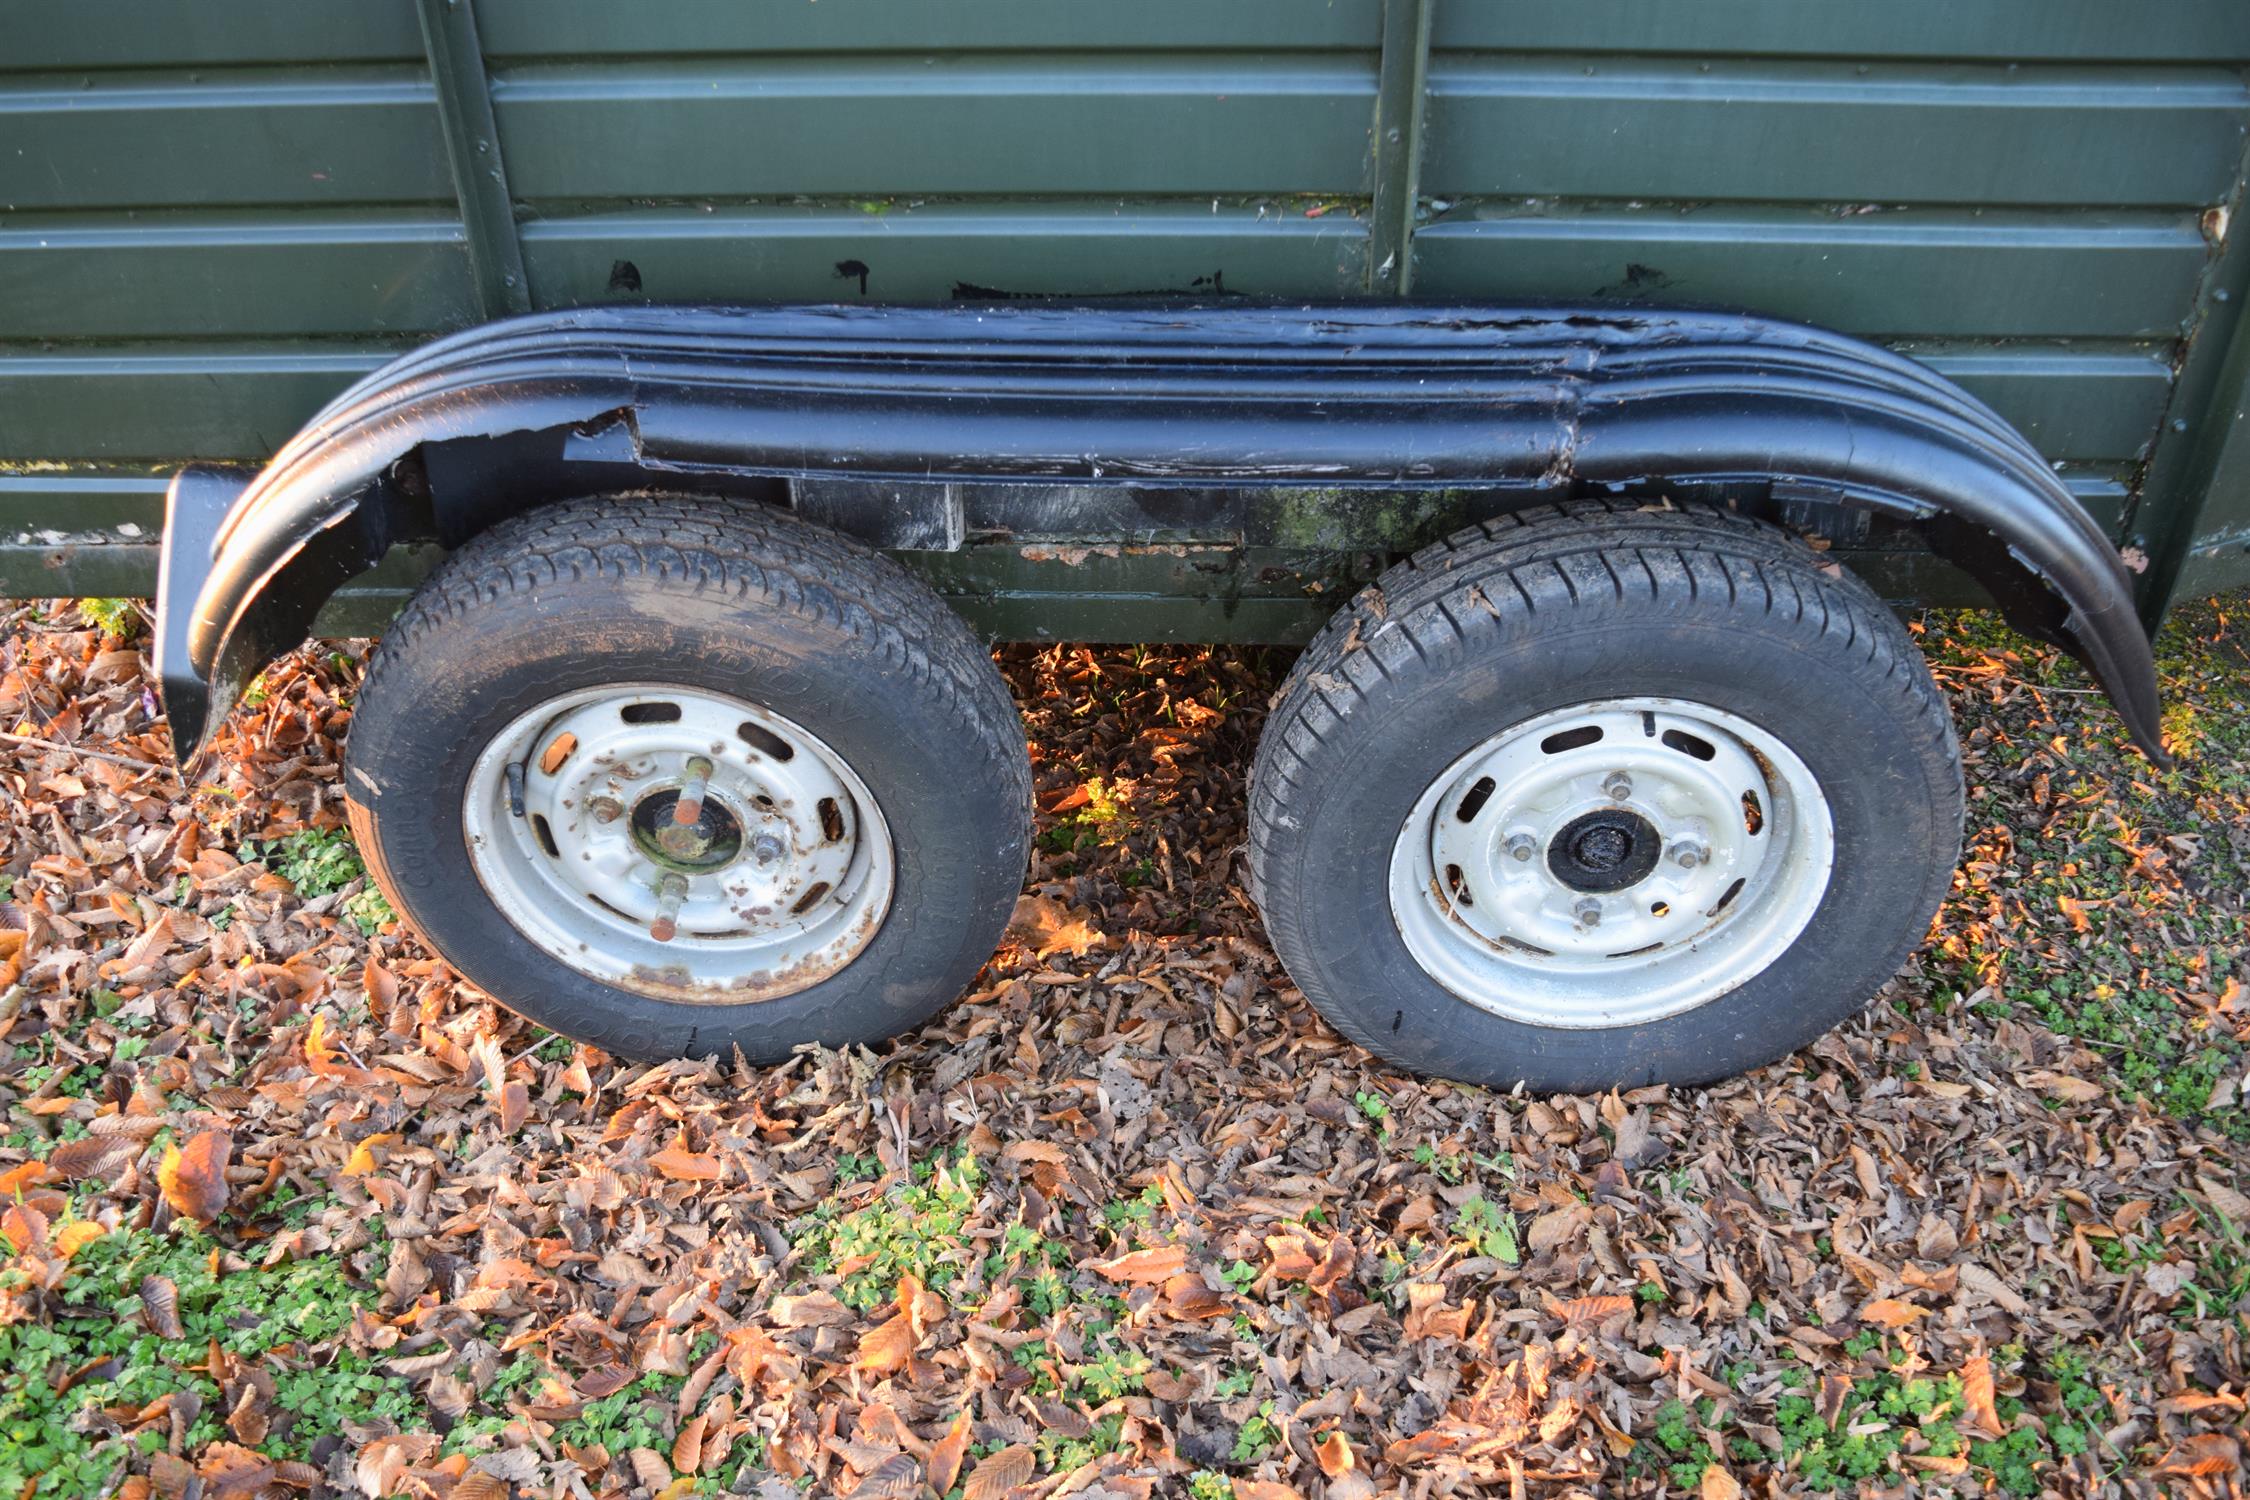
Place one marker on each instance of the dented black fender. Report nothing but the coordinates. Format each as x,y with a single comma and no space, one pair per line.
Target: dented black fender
1379,396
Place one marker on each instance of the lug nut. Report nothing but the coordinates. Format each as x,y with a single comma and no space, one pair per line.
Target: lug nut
1522,846
1589,913
1617,786
765,849
670,892
606,809
1687,854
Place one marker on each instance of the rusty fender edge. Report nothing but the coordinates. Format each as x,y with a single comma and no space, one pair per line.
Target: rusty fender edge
1390,396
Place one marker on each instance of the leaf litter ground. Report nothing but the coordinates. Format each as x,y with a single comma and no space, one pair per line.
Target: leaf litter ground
290,1209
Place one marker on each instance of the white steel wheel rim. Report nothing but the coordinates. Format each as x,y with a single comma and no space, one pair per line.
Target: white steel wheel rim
1488,874
783,881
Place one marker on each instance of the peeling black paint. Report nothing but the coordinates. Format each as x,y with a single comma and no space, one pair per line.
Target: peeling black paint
1213,285
1639,280
847,269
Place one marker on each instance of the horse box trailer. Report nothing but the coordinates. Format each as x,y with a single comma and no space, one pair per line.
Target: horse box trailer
688,392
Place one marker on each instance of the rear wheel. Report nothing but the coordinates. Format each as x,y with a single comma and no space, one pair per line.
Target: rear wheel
676,776
1603,795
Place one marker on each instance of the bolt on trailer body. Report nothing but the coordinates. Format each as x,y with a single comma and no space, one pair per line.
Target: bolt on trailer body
1454,342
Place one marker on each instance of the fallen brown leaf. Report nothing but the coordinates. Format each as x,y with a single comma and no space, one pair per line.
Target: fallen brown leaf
995,1475
1892,1313
194,1177
683,1165
1145,1267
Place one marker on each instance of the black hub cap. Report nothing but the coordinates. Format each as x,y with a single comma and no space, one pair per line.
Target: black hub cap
709,842
1605,850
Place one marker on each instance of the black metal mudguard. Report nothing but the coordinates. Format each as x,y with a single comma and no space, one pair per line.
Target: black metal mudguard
1389,396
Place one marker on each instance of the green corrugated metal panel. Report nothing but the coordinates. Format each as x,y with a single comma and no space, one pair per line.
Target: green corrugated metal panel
2074,404
2219,557
933,252
184,402
231,275
875,127
2105,498
604,28
120,507
1833,132
1924,272
2194,510
1700,153
331,136
67,570
2098,31
195,33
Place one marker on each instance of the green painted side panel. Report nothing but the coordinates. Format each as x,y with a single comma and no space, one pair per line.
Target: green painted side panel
77,570
119,508
2213,474
214,213
183,403
1176,593
2095,31
198,33
231,275
2074,405
908,254
1125,124
604,28
1914,273
1831,132
2105,498
329,136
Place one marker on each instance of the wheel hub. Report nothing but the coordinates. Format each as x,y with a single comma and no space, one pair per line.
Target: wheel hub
1611,863
1605,850
710,842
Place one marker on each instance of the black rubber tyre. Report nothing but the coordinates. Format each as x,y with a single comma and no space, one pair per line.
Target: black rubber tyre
1553,607
732,598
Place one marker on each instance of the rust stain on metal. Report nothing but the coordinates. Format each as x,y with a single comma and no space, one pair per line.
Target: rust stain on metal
785,978
1069,557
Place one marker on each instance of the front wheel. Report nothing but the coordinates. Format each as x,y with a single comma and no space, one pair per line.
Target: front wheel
1601,796
677,776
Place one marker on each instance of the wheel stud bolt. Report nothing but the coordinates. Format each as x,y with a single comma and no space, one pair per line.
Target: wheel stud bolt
1589,913
689,808
1617,786
606,809
1687,854
765,849
670,892
1521,846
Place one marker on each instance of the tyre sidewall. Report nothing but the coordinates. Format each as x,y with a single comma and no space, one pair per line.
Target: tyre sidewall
957,834
1891,793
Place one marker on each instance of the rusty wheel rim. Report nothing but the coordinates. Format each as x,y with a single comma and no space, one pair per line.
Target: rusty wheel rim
679,843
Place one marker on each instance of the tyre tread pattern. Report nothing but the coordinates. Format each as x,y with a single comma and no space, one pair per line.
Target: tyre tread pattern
740,548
